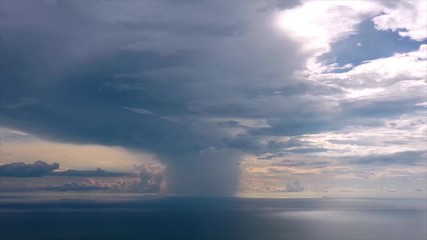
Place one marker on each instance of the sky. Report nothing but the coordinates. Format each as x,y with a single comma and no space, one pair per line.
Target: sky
217,98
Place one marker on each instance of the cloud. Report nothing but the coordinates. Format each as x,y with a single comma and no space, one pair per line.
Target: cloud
160,69
405,17
93,184
139,110
21,103
20,169
90,173
399,158
230,123
294,187
149,178
315,23
41,168
17,146
300,163
386,71
87,185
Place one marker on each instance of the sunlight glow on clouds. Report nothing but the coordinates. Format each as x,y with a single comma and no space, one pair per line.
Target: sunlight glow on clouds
315,23
396,79
23,147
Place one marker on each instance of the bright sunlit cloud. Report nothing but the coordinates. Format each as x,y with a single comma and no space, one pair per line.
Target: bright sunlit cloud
317,24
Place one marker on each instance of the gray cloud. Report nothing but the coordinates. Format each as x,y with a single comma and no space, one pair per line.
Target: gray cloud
399,158
73,186
290,163
272,148
230,123
93,184
174,68
20,169
147,178
90,173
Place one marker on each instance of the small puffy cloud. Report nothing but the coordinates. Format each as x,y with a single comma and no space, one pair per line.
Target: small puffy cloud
20,169
294,187
151,178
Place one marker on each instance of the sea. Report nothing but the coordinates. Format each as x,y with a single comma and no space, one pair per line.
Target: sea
186,218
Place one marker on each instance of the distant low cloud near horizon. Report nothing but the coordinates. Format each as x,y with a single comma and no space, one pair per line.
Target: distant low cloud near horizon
41,168
20,169
145,178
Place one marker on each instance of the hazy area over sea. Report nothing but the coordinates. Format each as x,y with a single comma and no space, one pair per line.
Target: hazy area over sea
133,216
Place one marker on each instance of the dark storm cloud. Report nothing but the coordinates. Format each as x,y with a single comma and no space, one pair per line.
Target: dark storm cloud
20,169
89,65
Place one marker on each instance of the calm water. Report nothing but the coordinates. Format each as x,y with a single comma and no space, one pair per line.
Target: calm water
136,217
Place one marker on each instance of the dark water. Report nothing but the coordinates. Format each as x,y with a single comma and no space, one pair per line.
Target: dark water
212,218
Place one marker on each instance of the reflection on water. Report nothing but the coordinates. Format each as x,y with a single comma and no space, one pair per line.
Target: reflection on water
153,217
360,224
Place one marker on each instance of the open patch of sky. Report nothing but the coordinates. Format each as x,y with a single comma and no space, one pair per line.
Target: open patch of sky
368,44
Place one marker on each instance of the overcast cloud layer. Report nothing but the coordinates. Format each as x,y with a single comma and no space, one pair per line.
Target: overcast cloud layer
230,95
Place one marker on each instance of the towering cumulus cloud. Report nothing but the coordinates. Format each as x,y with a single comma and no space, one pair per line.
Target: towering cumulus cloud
148,76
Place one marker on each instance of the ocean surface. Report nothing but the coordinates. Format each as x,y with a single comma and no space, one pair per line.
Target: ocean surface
151,217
